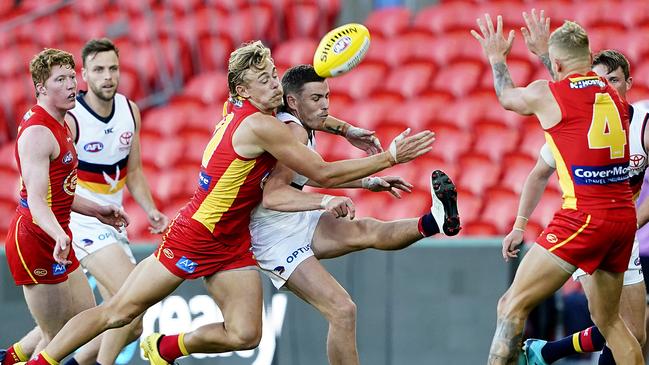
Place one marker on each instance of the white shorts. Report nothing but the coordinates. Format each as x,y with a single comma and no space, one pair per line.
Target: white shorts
89,235
633,273
279,248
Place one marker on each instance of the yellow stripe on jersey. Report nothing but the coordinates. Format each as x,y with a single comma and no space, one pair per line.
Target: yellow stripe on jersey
565,180
223,194
20,254
219,130
49,193
582,78
100,188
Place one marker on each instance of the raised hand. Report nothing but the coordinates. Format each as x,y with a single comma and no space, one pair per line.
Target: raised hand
364,140
537,32
510,244
391,184
493,43
62,249
404,149
158,222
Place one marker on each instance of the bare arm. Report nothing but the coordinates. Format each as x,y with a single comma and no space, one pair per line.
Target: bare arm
111,215
36,148
360,138
265,133
137,183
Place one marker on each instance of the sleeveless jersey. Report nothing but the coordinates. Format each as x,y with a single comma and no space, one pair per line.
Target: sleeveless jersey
590,144
265,222
103,146
63,170
229,185
638,155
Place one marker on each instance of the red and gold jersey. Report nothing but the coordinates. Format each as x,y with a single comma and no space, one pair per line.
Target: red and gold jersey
590,144
63,170
229,185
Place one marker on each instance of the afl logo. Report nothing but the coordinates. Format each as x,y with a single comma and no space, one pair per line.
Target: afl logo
342,44
93,147
551,238
40,272
70,183
125,138
168,253
67,158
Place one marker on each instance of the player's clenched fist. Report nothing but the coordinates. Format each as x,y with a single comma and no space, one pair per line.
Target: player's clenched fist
339,206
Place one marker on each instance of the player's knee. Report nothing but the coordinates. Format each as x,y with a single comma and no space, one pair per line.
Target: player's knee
245,338
345,309
511,306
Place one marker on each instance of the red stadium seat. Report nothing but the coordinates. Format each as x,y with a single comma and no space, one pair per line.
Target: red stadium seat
459,78
210,88
10,181
410,80
366,114
388,22
516,167
424,48
360,83
478,173
294,52
423,166
450,141
250,23
441,18
599,13
373,205
532,138
494,140
135,8
635,13
303,20
550,203
469,205
500,208
478,228
214,52
392,52
418,113
167,120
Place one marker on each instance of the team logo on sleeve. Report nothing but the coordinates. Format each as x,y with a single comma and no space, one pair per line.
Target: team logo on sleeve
126,138
186,265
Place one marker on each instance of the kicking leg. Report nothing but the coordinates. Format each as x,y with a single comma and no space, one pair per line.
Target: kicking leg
311,282
147,284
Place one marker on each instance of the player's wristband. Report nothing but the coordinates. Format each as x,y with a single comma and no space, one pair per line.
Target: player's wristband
325,200
520,223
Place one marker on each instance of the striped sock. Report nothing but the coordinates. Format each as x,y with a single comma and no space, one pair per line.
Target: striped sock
14,354
172,347
588,340
44,359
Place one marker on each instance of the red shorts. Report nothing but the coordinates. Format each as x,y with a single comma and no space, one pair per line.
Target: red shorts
601,240
189,253
29,254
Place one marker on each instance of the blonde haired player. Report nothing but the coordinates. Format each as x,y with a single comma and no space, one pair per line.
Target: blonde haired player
209,237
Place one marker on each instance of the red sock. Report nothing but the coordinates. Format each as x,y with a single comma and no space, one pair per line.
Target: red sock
13,355
169,348
41,359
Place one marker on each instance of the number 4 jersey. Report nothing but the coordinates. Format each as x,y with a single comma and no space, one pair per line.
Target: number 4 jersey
590,144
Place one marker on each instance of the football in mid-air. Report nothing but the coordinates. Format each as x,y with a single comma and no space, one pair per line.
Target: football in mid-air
341,50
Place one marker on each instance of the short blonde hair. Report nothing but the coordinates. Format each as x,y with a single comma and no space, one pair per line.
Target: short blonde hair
41,65
571,39
248,56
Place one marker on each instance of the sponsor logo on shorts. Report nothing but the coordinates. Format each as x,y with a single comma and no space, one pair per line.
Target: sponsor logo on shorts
70,182
186,265
552,238
204,180
342,44
67,158
167,252
40,272
298,252
87,242
105,235
600,175
279,269
93,147
58,269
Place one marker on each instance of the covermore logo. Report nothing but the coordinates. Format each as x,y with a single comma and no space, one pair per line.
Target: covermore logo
600,175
